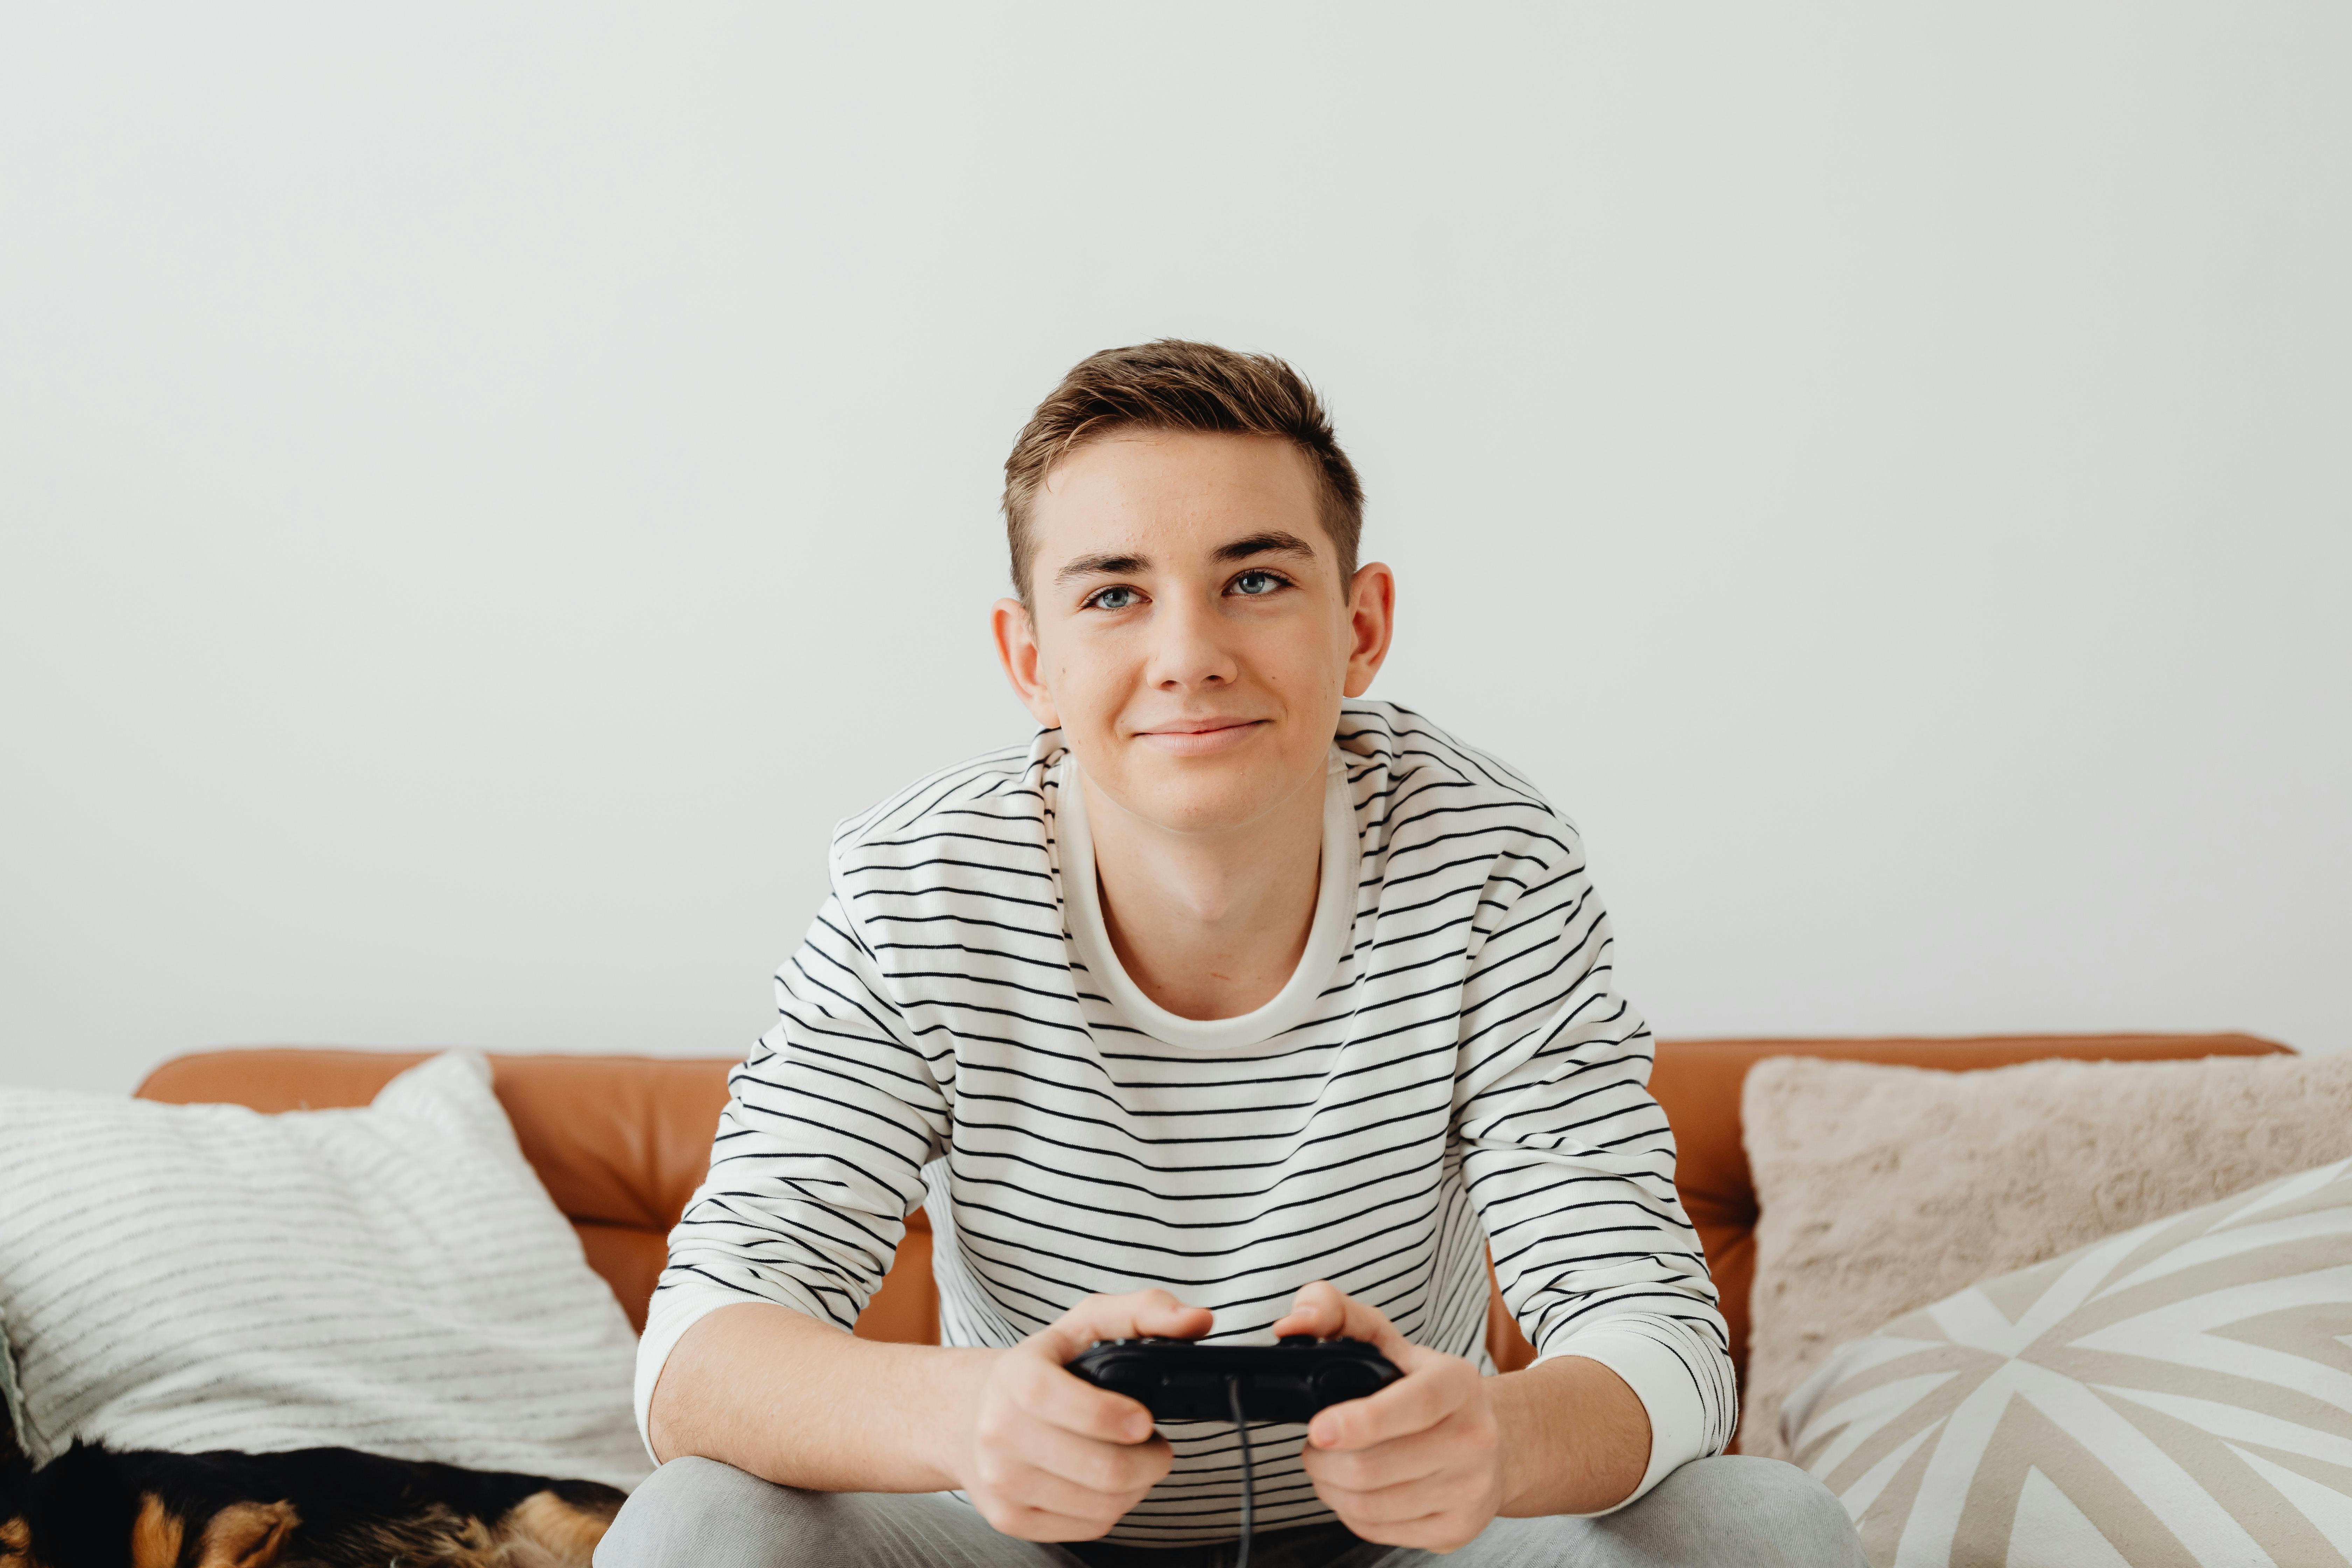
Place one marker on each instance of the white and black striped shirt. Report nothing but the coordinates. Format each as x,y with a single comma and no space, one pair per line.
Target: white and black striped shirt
1448,1069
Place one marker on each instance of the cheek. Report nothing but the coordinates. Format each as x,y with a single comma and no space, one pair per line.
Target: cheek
1304,661
1088,693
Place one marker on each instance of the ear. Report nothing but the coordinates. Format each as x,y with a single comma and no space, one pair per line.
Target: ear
1016,648
1371,623
246,1535
15,1543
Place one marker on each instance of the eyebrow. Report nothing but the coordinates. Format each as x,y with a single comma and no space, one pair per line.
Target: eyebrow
1103,565
1274,542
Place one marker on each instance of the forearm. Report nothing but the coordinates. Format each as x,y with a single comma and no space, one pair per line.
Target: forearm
1574,1437
779,1395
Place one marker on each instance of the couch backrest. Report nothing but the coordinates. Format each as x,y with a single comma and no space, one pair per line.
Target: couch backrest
623,1141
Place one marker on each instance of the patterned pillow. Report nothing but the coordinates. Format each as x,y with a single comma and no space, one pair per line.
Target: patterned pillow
2180,1393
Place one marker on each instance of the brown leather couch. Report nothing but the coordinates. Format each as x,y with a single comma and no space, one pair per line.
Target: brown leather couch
622,1141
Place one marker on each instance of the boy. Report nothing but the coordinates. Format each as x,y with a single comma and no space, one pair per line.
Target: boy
1233,1005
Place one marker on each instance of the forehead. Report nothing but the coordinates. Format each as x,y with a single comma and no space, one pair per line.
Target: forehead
1178,490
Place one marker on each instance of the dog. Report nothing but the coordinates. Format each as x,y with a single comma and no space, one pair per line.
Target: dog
92,1507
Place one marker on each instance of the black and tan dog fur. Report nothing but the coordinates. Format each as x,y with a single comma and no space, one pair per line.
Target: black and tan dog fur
315,1507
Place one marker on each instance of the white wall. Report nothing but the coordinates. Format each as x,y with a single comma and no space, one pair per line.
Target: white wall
485,487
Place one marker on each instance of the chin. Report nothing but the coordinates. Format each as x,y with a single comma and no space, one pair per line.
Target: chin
1203,800
1194,814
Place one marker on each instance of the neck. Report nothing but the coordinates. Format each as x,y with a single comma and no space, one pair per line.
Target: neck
1209,925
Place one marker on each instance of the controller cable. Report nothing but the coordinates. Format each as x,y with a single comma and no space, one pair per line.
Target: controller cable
1249,1482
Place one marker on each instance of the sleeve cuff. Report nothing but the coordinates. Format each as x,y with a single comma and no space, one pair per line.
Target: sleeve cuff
1662,1382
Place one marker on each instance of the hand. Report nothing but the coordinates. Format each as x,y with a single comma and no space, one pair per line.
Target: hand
1418,1463
1051,1457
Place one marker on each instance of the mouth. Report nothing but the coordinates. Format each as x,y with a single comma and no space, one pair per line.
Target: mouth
1199,737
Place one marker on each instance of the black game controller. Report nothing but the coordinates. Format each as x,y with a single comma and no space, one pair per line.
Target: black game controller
1181,1380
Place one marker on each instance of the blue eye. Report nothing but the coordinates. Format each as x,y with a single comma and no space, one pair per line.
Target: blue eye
1258,584
1113,598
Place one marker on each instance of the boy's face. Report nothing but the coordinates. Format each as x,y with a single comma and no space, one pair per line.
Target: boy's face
1188,629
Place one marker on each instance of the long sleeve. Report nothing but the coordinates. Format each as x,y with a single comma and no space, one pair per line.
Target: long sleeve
1571,1162
818,1158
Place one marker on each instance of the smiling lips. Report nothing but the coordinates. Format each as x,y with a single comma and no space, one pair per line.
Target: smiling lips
1199,737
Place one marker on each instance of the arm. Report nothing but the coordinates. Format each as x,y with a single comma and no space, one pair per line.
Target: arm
1043,1456
747,1357
1573,1434
816,1162
1428,1460
1571,1163
777,1394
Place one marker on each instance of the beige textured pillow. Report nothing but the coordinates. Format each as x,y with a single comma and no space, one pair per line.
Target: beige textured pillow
2180,1393
1884,1188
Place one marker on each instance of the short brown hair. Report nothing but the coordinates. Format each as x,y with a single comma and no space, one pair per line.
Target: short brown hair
1172,385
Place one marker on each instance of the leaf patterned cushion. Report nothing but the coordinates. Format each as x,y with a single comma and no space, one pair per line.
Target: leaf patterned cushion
2176,1394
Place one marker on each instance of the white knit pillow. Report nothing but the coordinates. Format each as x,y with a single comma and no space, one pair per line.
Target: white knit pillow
392,1278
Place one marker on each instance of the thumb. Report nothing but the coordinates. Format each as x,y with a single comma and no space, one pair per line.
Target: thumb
1138,1315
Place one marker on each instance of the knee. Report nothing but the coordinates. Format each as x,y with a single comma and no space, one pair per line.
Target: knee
699,1513
1753,1512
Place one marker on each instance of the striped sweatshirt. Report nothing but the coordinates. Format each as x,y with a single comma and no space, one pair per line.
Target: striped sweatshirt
1449,1073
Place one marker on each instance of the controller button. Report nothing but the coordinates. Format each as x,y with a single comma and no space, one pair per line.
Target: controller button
1293,1341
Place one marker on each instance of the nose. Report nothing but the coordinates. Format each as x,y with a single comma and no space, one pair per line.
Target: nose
1188,651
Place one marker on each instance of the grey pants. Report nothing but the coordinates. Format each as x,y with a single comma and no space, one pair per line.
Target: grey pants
1713,1513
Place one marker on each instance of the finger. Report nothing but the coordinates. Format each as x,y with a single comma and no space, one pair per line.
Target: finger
1441,1531
1386,1510
1405,1517
1025,1486
1452,1493
1398,1463
1328,1312
1140,1314
1107,1469
1025,1523
1320,1309
1044,1392
1433,1388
